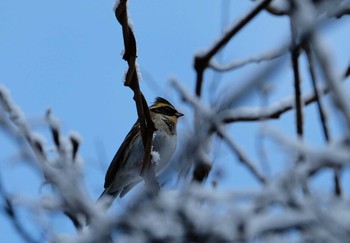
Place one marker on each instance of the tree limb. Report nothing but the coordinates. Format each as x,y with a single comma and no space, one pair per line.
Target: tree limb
201,61
146,125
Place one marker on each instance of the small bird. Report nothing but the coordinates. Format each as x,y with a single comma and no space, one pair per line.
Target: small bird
124,171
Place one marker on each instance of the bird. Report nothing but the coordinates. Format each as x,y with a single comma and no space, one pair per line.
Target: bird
123,172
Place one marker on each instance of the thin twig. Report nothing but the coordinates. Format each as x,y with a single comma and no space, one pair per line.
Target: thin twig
243,158
323,118
339,98
208,115
297,82
295,29
321,112
339,95
201,61
257,59
337,185
274,111
61,177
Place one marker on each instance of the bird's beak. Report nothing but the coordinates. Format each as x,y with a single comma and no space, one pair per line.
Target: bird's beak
178,114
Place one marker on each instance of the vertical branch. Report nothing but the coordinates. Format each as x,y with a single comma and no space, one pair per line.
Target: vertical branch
130,54
337,186
201,62
295,51
339,95
297,93
323,118
321,112
146,125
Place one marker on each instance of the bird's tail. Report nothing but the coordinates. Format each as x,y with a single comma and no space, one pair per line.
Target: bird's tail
108,197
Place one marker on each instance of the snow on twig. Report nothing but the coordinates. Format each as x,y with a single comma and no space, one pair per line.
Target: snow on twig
256,59
210,118
59,171
339,95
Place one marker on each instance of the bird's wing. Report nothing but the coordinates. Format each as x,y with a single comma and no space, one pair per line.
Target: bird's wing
121,156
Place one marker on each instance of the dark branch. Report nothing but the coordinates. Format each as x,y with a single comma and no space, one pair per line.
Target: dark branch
201,62
339,96
201,171
323,118
75,146
297,92
347,72
54,130
321,112
272,112
146,125
242,157
295,51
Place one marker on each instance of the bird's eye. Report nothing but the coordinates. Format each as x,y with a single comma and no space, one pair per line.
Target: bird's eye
169,111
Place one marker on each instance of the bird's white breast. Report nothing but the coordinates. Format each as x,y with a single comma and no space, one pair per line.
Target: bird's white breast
165,145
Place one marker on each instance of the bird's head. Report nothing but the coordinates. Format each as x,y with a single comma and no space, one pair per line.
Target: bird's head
165,108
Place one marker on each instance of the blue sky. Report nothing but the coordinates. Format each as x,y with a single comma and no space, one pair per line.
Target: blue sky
66,56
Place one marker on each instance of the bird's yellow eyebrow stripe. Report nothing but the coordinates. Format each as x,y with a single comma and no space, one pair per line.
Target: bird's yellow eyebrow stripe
159,105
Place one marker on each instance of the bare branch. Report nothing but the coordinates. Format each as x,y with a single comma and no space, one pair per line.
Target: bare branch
297,82
243,158
321,112
339,95
323,118
274,111
60,172
216,126
342,9
257,59
146,125
201,61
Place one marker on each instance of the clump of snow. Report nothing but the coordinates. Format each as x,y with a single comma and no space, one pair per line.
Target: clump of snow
76,136
155,157
279,7
116,4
